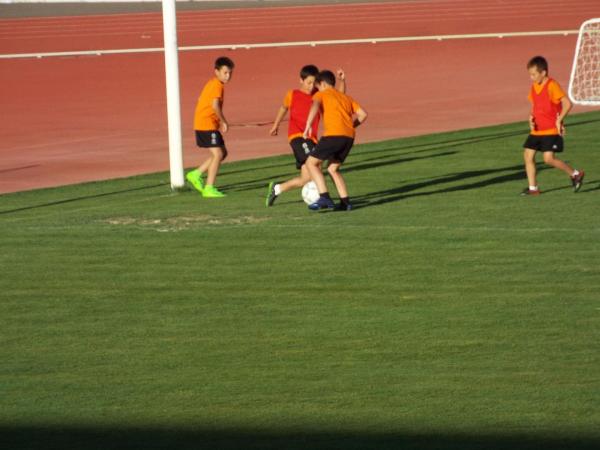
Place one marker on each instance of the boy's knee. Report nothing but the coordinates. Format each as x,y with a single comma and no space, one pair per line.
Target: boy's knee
332,169
528,155
312,161
548,157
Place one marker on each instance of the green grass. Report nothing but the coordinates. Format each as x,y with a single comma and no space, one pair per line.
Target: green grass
445,311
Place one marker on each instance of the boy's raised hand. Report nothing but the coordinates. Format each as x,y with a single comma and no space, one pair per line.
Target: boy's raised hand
341,75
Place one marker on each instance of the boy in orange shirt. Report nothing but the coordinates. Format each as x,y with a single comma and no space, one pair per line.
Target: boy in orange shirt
298,102
339,111
209,122
550,105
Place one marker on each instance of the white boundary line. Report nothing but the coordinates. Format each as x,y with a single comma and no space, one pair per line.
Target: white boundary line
294,44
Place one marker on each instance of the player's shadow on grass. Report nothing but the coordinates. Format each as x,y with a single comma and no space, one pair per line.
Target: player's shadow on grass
586,188
263,182
81,198
407,191
457,142
439,145
230,438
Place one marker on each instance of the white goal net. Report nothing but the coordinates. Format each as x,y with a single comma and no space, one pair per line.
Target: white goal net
584,85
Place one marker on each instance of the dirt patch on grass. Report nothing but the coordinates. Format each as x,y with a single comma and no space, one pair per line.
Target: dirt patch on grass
181,223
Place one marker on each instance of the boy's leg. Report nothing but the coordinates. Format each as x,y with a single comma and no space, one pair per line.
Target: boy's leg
316,174
340,184
297,182
529,157
275,189
212,164
575,175
195,176
204,166
218,154
551,160
314,168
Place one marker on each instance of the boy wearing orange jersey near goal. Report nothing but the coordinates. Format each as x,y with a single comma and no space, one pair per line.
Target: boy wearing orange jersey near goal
209,123
550,105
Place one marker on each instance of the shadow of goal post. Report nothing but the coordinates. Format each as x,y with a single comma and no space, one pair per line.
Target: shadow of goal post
584,84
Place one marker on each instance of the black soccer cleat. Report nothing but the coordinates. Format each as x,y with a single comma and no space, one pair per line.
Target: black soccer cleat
344,207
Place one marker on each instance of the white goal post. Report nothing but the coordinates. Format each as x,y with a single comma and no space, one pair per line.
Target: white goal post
584,84
171,72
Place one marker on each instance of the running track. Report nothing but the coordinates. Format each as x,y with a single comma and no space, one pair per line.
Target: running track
73,119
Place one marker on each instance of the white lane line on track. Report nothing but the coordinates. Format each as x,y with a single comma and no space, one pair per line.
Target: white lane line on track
293,44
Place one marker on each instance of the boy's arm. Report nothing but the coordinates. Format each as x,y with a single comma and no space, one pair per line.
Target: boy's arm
341,81
566,107
531,122
361,116
280,115
216,104
314,109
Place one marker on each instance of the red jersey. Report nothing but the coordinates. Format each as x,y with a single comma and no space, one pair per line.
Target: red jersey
299,104
546,106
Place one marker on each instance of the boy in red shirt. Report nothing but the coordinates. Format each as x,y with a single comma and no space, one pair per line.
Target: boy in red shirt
550,105
298,102
209,122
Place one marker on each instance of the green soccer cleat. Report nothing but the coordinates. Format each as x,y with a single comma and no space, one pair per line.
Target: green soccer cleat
195,179
271,196
210,191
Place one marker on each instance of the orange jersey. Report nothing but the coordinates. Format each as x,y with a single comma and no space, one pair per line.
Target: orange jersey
299,104
337,110
205,118
546,106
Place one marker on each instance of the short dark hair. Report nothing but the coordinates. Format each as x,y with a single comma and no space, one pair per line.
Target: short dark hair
327,76
224,61
309,71
539,62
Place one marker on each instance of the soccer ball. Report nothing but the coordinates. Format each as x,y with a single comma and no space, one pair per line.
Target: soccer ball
310,193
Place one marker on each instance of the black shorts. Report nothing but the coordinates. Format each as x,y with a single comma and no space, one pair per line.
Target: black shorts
550,143
207,139
302,148
333,148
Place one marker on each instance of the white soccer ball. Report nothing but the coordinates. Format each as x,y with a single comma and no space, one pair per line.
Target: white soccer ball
310,193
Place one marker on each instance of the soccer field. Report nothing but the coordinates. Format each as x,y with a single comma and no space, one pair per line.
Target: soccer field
445,312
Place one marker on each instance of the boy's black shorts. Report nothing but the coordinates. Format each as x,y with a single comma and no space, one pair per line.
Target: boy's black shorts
302,148
333,148
549,143
207,139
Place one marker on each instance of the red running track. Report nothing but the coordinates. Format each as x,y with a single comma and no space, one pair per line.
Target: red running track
73,119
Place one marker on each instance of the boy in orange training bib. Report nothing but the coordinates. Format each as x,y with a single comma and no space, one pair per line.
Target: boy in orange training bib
550,105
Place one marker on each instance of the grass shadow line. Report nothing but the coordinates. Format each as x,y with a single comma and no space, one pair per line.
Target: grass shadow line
83,197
